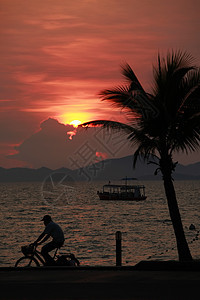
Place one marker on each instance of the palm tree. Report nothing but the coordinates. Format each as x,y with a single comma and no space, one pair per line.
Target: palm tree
162,122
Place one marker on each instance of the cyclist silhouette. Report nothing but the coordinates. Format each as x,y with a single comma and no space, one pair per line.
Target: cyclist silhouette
51,230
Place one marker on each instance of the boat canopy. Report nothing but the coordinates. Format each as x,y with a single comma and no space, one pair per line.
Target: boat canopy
129,178
113,188
123,186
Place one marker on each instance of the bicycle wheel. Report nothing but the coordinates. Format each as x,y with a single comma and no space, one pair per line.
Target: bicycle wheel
27,261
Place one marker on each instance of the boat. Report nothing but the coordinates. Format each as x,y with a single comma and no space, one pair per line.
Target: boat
122,191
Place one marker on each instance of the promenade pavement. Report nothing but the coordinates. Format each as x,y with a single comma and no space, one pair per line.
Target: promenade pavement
99,283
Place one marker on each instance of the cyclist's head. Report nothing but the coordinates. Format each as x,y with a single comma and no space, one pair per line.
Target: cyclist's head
47,219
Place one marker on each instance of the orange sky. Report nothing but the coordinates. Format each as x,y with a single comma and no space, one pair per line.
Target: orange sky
56,56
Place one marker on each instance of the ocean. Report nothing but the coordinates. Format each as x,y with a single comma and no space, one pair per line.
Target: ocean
90,224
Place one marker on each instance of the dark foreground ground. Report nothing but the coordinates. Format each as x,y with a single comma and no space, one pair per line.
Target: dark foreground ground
144,281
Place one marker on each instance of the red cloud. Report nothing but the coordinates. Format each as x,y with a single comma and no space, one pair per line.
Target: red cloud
71,134
101,155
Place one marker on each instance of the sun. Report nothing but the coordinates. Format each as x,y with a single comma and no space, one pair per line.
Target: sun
73,118
75,123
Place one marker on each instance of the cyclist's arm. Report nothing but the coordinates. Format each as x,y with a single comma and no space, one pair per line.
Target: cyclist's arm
45,239
39,238
44,236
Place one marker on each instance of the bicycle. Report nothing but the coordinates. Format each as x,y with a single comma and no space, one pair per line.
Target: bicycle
32,258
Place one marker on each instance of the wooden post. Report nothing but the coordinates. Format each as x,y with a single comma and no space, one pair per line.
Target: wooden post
118,237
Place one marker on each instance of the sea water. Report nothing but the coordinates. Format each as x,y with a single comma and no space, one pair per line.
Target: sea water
90,224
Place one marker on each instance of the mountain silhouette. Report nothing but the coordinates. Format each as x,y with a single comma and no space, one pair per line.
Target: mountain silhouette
109,169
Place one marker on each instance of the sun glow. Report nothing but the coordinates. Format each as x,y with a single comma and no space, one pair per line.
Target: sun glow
74,118
75,123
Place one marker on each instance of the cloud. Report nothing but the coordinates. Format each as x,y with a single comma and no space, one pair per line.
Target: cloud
102,155
71,134
57,52
15,126
51,146
47,147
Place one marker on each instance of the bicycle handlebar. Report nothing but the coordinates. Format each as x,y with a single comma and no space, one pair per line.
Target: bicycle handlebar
34,246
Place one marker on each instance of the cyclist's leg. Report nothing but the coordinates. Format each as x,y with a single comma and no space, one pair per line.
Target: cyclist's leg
45,252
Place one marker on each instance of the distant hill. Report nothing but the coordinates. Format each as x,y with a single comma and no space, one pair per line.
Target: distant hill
115,169
26,174
109,169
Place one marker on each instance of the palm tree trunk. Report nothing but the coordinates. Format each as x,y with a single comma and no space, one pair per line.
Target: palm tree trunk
182,245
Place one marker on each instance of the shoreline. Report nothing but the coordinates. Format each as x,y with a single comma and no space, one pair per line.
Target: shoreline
144,265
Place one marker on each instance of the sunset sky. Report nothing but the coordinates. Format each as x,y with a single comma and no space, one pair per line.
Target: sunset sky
56,56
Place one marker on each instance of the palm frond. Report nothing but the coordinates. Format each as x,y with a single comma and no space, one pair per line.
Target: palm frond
191,92
119,97
145,150
131,97
132,78
108,125
169,72
186,137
